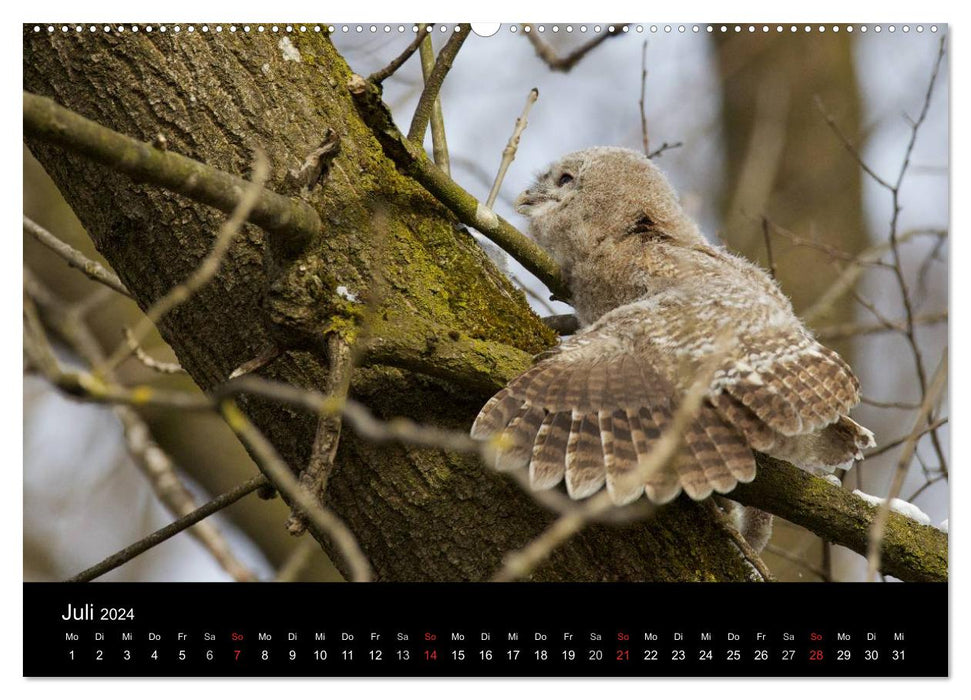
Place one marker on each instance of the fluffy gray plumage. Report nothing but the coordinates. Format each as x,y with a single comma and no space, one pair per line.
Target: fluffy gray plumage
653,298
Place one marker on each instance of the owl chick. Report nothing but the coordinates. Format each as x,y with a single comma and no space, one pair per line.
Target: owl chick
655,302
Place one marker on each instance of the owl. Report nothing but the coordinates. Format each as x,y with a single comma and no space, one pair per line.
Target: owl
657,304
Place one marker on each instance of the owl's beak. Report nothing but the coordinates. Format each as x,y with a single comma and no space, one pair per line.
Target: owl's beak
529,199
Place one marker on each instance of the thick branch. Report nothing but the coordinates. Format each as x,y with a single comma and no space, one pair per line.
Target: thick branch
414,163
911,551
45,119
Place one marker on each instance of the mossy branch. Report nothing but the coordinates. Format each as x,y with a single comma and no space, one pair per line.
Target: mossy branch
413,161
433,82
296,221
414,344
911,551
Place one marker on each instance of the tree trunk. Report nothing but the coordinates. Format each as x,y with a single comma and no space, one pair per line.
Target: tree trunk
419,514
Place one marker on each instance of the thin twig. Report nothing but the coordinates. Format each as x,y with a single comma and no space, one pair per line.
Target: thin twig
322,519
439,141
644,137
751,556
848,277
559,63
931,399
850,147
926,485
170,530
148,360
294,222
664,147
905,294
902,405
75,258
768,247
426,103
851,330
207,268
380,76
315,476
155,464
934,425
832,251
509,152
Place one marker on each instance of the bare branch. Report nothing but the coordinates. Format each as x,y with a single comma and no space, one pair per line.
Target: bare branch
75,258
850,147
439,142
644,136
852,330
315,476
170,530
426,103
509,152
902,405
293,221
886,447
848,277
662,148
381,75
157,467
563,64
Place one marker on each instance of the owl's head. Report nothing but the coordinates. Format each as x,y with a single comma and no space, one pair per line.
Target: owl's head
602,195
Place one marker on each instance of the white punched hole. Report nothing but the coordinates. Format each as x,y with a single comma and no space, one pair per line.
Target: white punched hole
486,28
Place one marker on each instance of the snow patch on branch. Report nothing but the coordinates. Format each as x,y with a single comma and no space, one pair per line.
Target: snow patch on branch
898,505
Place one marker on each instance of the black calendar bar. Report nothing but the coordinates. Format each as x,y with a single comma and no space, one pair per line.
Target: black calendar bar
468,629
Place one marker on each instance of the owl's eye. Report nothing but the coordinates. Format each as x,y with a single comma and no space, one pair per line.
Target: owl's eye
564,179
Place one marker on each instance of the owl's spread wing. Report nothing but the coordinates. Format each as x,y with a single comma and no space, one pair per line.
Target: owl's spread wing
592,412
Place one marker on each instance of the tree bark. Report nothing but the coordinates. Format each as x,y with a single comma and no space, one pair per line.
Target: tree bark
419,514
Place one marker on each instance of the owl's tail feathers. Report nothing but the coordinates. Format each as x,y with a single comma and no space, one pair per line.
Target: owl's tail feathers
614,448
834,447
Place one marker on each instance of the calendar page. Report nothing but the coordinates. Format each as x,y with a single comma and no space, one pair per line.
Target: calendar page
585,349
